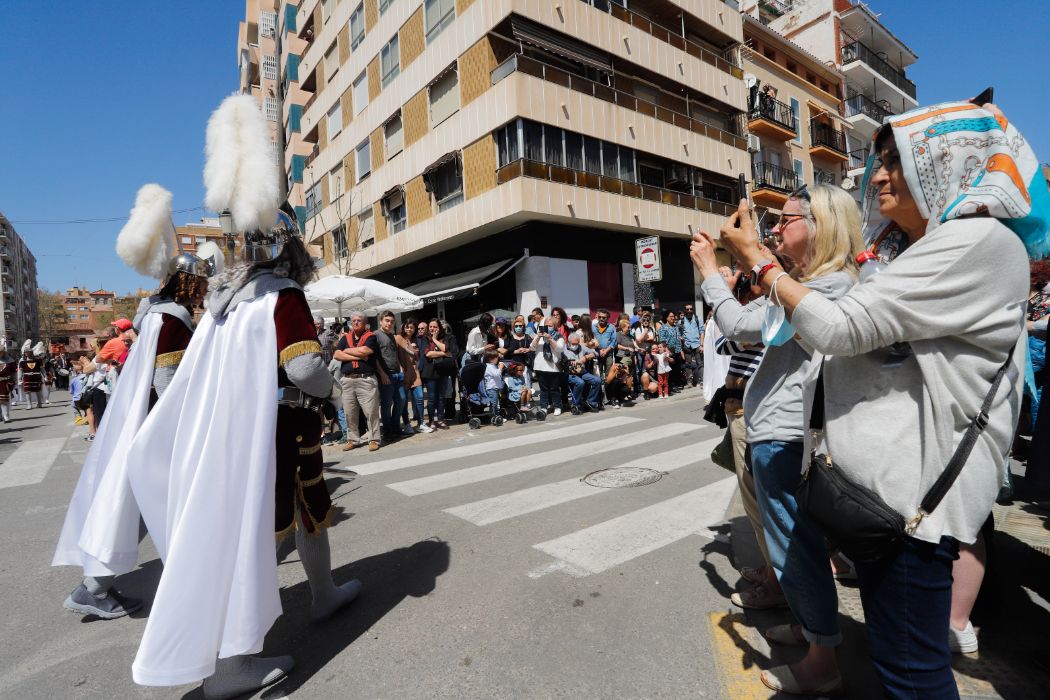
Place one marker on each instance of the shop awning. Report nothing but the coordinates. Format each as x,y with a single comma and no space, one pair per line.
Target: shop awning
463,284
559,44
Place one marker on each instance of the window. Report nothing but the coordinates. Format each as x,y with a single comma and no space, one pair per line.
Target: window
439,14
800,174
366,230
394,206
444,97
83,316
335,120
552,148
394,136
71,308
446,183
384,5
313,200
360,94
186,239
271,109
357,26
796,114
339,245
331,62
651,175
200,240
335,183
268,24
507,143
533,136
363,160
592,155
390,61
610,164
270,67
573,151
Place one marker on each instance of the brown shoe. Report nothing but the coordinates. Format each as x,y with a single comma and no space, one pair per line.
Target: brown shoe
348,446
373,446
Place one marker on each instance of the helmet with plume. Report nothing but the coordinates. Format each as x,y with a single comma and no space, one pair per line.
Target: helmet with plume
39,351
26,346
146,243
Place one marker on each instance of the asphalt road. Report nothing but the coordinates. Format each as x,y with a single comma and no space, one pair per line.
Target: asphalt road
490,569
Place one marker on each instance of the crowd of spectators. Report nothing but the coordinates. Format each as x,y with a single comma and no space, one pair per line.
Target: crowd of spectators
400,382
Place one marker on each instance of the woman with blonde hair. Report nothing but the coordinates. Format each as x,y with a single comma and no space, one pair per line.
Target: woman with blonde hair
819,234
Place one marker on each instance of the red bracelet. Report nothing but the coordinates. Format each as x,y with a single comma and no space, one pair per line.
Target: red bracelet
764,270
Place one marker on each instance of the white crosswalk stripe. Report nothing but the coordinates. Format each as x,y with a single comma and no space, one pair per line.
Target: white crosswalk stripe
614,542
30,463
532,461
530,500
525,438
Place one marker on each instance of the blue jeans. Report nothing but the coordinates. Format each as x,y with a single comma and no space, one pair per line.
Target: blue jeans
593,386
391,401
342,421
417,405
493,397
907,600
436,390
795,543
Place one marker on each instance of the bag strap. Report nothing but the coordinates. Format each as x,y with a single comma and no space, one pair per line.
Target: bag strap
962,452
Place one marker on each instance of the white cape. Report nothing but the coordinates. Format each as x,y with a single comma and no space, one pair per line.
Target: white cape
203,470
101,531
716,366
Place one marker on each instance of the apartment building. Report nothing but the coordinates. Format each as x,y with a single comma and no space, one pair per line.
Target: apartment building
18,302
191,236
797,134
871,58
508,153
258,52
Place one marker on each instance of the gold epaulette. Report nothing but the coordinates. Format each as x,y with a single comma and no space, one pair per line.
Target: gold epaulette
296,349
169,359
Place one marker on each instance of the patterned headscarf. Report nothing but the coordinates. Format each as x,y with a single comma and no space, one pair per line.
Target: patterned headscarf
960,160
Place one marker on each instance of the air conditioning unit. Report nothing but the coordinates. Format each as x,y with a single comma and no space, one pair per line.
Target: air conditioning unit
754,145
678,173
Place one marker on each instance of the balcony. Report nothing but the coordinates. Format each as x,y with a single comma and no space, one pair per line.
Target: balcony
772,184
577,178
859,109
852,53
858,159
773,119
823,177
671,35
5,252
543,71
825,141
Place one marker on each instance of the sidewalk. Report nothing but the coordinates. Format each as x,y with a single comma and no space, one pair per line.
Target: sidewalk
1011,615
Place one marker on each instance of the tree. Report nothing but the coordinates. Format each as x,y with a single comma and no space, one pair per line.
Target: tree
128,306
52,315
343,226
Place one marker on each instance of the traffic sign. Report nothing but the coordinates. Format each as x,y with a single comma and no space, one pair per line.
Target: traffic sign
647,258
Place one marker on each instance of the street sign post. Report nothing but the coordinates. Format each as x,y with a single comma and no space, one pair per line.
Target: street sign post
647,258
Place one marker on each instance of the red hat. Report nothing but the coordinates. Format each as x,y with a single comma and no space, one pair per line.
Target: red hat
122,324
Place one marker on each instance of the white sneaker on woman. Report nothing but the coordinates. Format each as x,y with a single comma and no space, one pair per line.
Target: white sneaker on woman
424,428
557,411
962,641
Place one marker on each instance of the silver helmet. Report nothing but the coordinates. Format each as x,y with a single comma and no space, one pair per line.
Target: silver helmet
190,264
261,246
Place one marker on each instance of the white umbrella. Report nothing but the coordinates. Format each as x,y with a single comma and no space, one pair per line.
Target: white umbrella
339,295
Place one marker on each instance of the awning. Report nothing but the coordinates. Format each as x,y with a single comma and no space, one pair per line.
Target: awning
450,156
462,284
557,43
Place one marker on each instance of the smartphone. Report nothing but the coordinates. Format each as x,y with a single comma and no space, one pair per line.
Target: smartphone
985,97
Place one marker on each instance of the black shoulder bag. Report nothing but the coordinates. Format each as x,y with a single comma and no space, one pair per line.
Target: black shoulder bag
854,518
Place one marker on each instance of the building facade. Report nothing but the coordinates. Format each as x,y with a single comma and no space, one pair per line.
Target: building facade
18,287
508,153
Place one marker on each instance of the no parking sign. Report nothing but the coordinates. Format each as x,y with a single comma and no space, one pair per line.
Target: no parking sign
647,257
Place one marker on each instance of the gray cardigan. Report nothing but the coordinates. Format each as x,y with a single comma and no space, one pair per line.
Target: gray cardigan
773,397
957,296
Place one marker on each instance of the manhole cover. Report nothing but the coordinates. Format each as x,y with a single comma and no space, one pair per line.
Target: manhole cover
622,477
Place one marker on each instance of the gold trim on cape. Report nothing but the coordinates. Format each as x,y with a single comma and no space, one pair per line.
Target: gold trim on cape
296,349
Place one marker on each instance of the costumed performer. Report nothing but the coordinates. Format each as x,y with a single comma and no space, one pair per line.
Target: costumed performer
31,376
8,377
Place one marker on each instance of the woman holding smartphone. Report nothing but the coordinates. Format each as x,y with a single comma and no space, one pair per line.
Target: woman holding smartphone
547,348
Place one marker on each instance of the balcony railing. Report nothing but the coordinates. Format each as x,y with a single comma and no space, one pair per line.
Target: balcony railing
860,104
774,111
858,158
859,52
828,137
612,185
823,177
543,71
669,35
778,7
769,176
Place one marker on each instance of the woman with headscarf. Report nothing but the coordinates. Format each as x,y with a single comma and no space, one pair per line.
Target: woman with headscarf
915,354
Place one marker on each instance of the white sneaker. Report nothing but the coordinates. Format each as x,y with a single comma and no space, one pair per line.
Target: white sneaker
962,641
557,411
424,428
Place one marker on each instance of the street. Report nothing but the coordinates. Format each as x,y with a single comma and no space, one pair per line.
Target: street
490,569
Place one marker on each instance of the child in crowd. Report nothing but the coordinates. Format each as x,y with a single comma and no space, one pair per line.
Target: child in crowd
517,391
493,380
662,357
76,390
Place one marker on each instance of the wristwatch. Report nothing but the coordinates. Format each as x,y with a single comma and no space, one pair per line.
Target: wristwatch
761,268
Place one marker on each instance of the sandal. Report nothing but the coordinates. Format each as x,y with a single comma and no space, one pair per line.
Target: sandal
758,598
782,679
789,635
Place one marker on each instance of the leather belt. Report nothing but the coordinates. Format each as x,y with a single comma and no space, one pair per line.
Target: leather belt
291,396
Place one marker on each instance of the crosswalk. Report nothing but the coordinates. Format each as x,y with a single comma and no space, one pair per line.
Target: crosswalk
535,451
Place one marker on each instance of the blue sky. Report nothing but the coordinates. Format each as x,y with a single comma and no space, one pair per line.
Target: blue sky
103,97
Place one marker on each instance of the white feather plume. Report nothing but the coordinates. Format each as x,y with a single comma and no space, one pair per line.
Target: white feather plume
26,346
239,174
38,350
210,251
146,242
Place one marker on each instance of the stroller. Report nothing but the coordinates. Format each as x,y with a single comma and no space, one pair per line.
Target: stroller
478,407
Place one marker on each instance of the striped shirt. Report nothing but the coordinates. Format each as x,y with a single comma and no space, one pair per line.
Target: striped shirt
742,361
